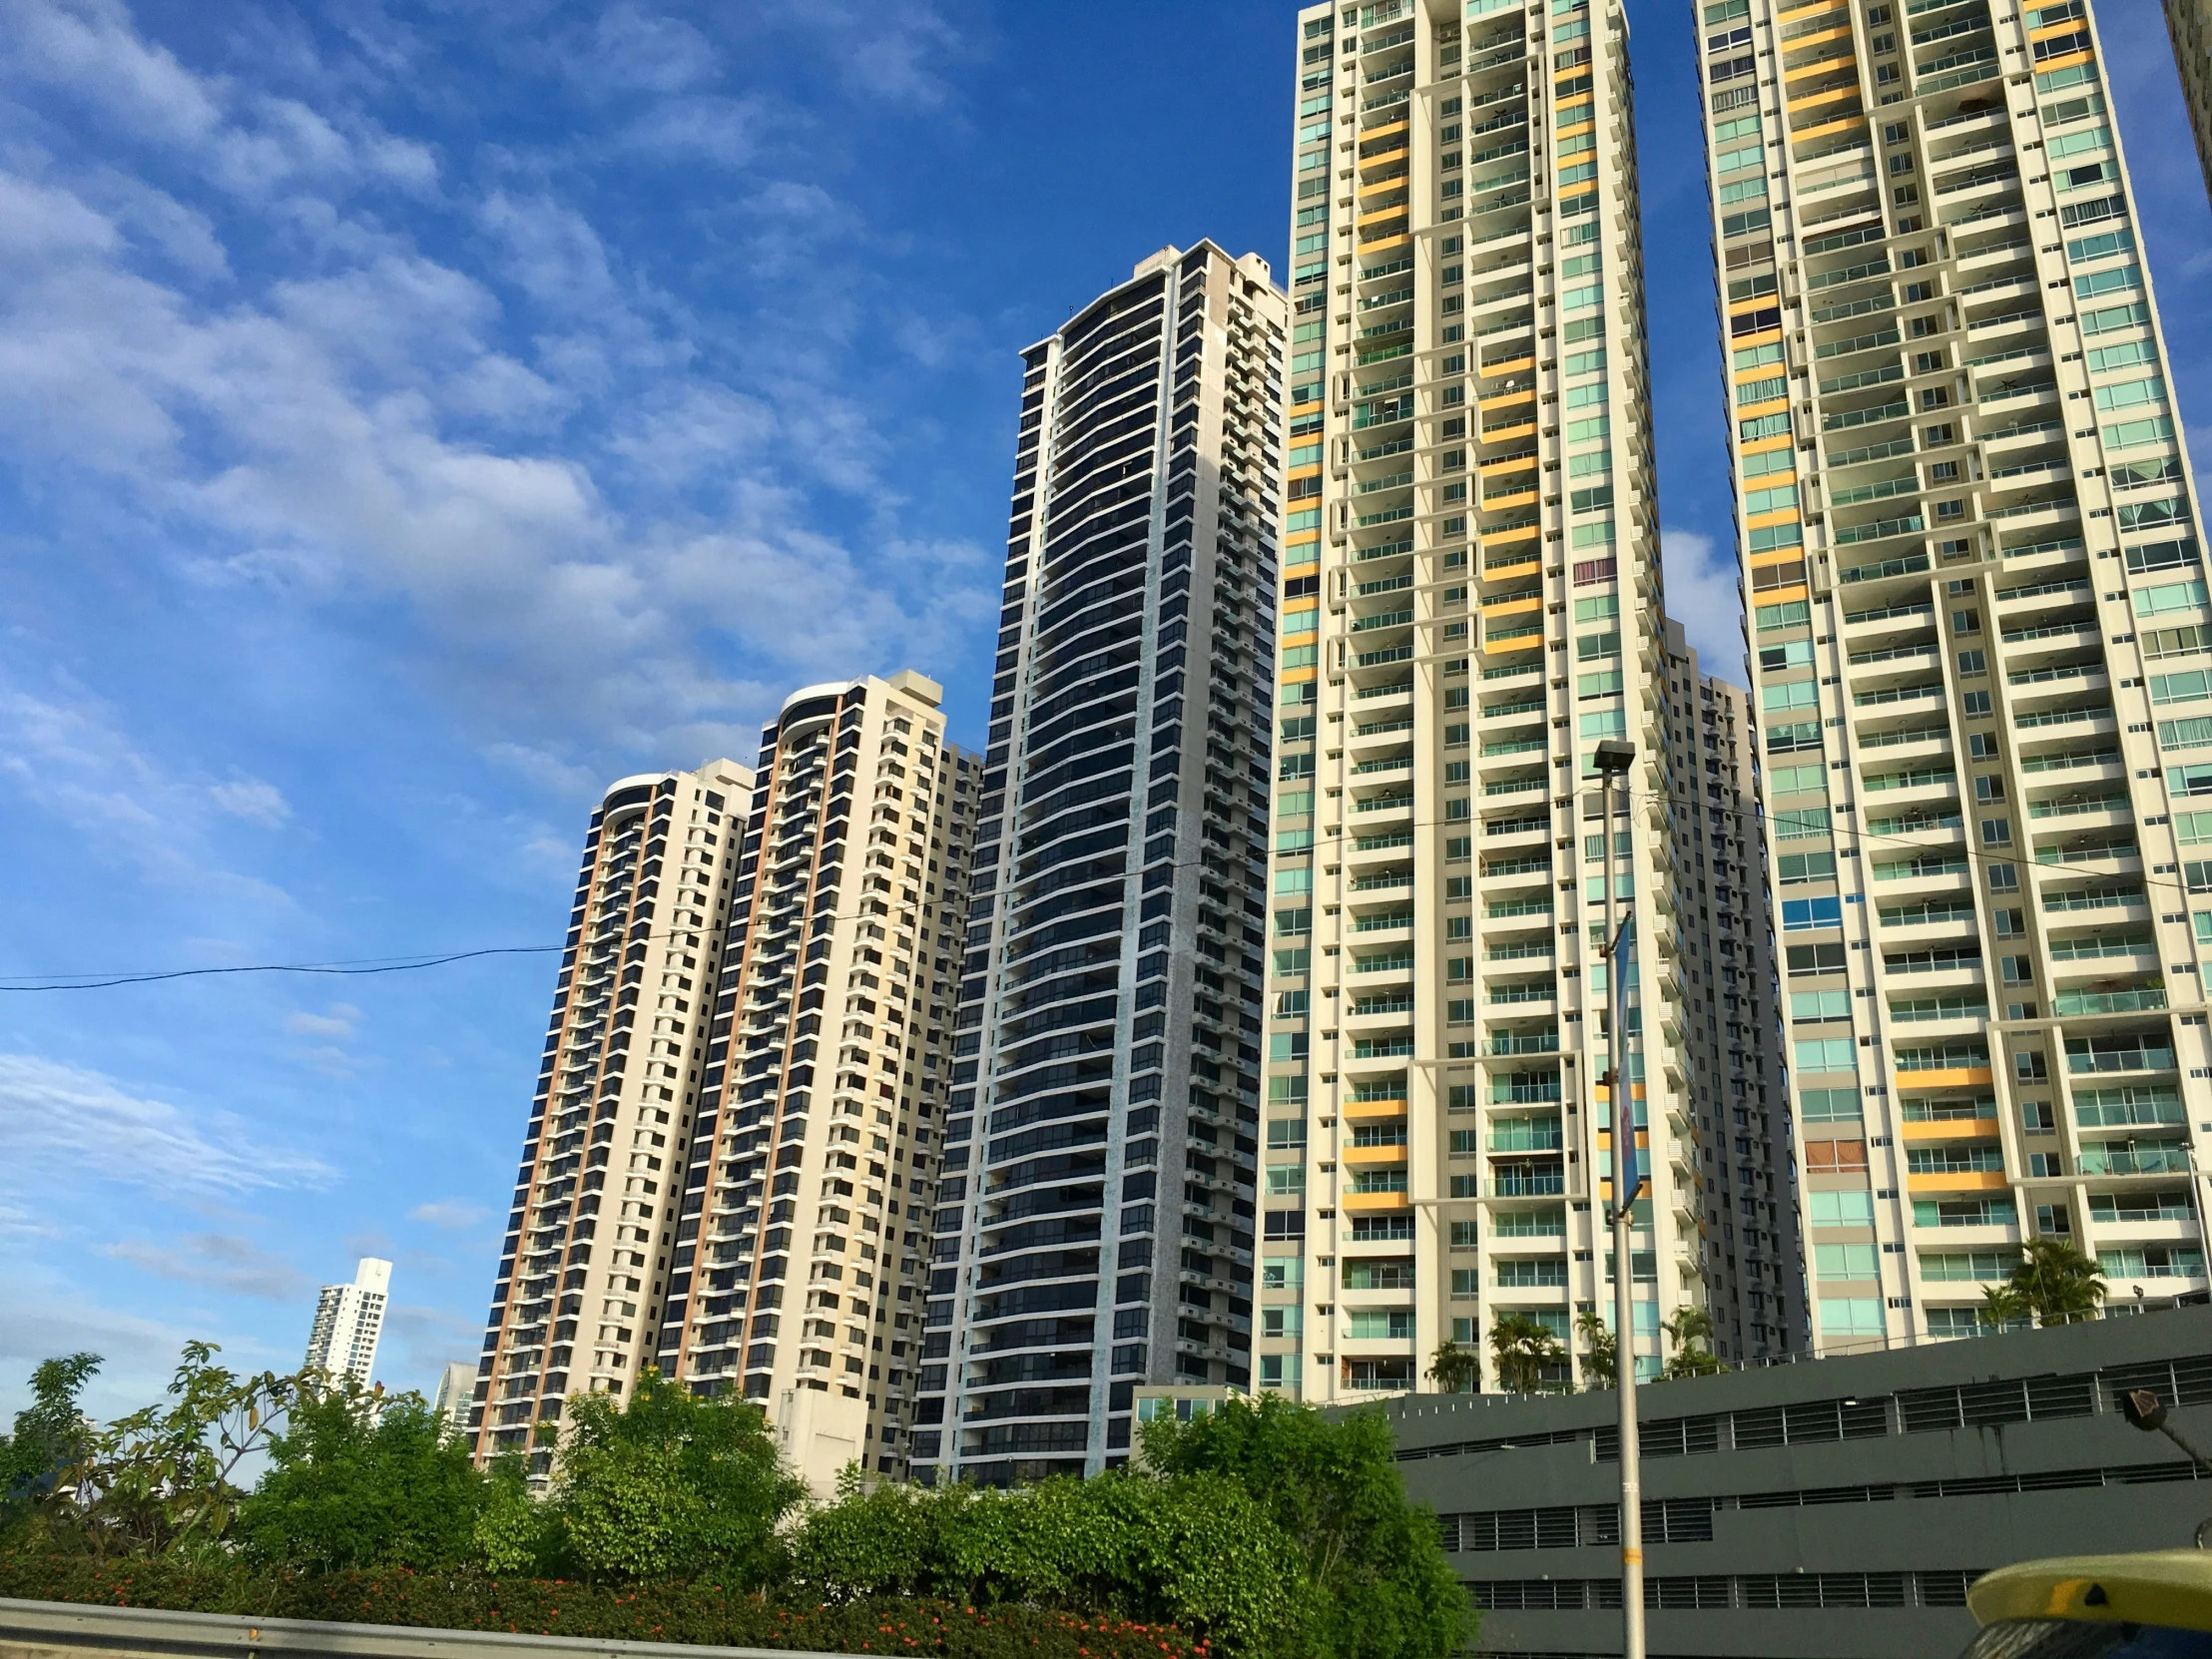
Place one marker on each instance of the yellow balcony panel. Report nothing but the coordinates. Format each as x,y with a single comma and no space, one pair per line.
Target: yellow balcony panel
1499,503
1371,1156
1506,538
1507,464
1498,572
1820,66
1952,1129
1386,242
1764,521
1530,602
2065,62
1369,1111
1519,642
1294,676
1858,118
1383,186
1814,100
1504,403
1396,210
1749,411
1758,302
1313,471
1367,1203
1767,446
1765,336
1841,32
1778,556
1509,366
1393,129
1968,1181
1305,408
1946,1077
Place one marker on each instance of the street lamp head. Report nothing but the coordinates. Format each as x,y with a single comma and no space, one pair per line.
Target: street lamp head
1615,755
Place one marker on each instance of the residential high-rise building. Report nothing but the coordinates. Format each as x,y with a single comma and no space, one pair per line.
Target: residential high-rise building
1095,1224
348,1322
798,1258
1471,605
1753,1262
585,1267
456,1390
2189,23
1980,649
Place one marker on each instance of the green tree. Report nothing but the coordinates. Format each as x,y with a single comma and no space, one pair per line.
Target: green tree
1692,1331
2003,1307
160,1480
362,1479
1456,1370
2058,1283
1522,1348
1601,1364
670,1487
50,1435
1379,1584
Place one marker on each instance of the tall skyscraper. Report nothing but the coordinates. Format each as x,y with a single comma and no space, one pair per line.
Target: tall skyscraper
1095,1224
1472,604
350,1320
1982,649
584,1268
798,1256
2189,24
1753,1264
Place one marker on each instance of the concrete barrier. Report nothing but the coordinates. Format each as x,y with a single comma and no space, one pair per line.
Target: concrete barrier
71,1630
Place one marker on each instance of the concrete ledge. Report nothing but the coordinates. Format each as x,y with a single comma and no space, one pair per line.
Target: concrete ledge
68,1630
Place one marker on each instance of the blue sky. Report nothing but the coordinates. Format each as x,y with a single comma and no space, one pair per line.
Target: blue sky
418,414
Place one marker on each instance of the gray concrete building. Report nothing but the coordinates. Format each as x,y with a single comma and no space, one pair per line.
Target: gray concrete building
1745,1183
1831,1510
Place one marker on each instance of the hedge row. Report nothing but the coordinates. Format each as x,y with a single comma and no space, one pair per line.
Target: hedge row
698,1612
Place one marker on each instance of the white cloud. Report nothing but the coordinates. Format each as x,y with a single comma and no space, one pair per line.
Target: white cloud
1702,595
339,1021
453,1214
64,1123
252,799
217,1261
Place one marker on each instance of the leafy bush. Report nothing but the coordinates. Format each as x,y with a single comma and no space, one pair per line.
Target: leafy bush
1195,1551
701,1612
355,1481
1380,1585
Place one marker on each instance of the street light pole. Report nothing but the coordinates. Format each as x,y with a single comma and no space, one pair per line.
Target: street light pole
1614,758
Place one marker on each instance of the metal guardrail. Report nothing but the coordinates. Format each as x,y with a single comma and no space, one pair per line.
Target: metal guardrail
46,1629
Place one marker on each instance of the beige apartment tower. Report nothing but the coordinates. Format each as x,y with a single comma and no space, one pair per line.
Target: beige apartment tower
1981,650
584,1273
801,1231
1472,604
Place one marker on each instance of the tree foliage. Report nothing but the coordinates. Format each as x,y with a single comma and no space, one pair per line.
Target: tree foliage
50,1433
1194,1551
2056,1282
1456,1370
670,1487
1522,1348
360,1479
160,1480
1601,1358
1692,1331
1375,1569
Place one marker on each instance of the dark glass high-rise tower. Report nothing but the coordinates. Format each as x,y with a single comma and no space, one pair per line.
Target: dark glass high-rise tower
1096,1213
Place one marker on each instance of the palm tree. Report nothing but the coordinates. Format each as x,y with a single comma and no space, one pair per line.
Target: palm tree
2002,1308
1456,1370
1522,1348
1692,1331
2061,1284
1601,1365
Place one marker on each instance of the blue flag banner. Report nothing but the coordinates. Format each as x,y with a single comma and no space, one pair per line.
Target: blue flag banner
1628,1175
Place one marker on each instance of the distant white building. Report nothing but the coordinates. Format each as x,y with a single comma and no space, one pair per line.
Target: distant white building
349,1320
455,1390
